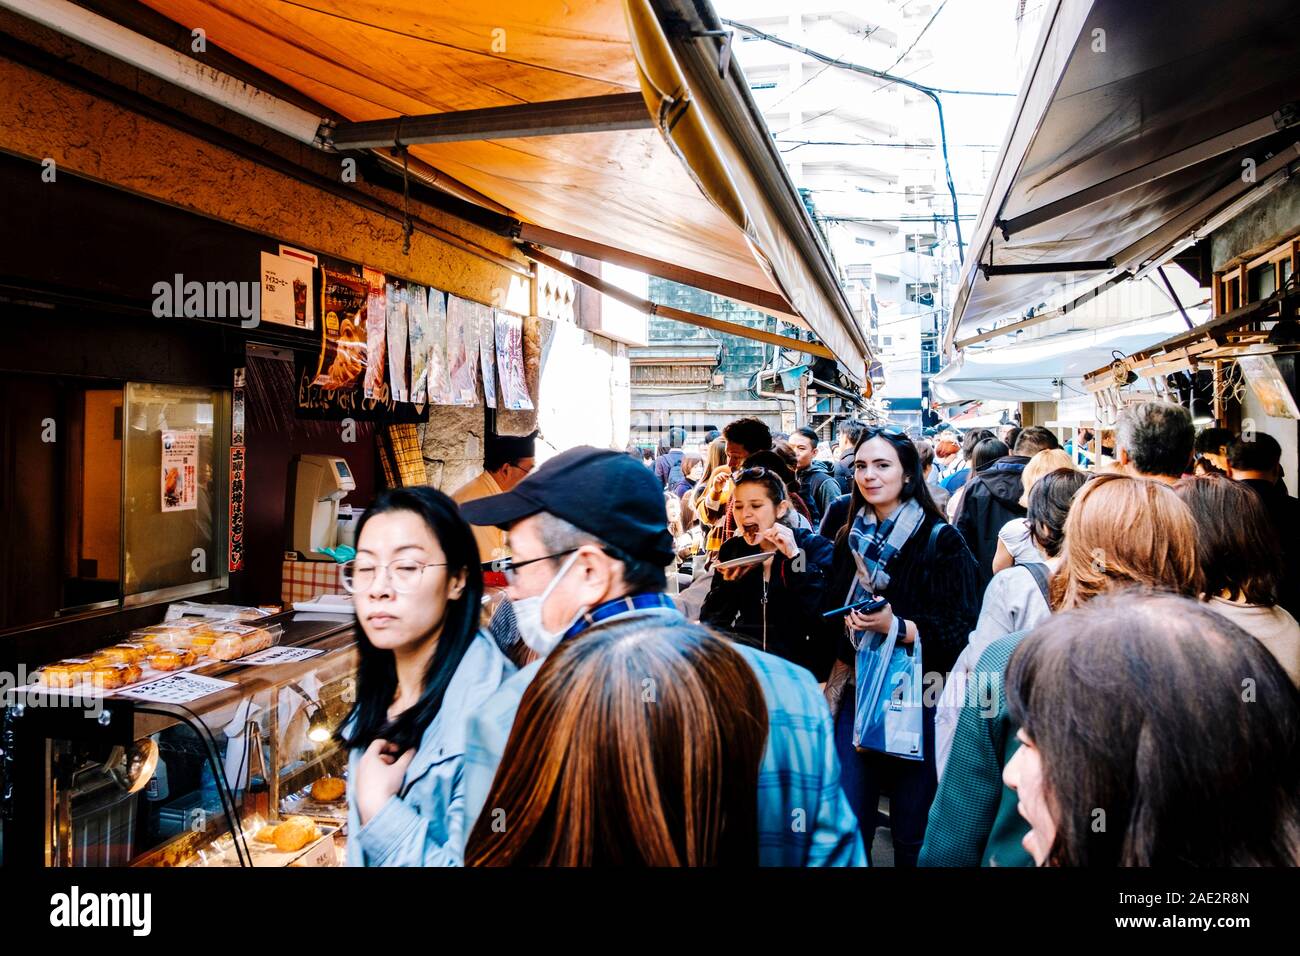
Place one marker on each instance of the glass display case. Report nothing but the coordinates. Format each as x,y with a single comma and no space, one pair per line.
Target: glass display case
227,763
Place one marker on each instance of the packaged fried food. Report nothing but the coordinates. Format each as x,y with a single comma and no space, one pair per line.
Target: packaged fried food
172,659
294,834
72,672
328,789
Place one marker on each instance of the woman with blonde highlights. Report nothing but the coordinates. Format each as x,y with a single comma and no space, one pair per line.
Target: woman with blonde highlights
1123,530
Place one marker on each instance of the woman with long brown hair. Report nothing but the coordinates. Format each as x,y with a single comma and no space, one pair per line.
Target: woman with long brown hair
638,745
1241,560
1132,705
1121,532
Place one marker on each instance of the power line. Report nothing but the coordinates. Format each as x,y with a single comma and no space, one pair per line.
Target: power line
903,55
855,67
930,91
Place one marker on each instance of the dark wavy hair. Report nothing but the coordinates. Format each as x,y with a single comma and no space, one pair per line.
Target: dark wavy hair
377,670
1049,506
914,485
1137,706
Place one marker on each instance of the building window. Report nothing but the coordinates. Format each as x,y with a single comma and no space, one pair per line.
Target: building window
1256,279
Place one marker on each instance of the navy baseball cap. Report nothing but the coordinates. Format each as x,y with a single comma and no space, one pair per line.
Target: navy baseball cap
608,494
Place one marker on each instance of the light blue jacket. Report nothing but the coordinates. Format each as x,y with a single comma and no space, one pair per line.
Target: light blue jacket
424,823
804,818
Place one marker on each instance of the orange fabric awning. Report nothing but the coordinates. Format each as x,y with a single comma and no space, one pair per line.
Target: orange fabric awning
366,60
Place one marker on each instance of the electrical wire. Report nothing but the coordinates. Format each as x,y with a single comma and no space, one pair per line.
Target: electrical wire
903,56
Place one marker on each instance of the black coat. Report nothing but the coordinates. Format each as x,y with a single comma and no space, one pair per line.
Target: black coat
818,488
787,625
938,592
990,499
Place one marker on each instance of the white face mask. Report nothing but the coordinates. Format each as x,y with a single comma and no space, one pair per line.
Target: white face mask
528,616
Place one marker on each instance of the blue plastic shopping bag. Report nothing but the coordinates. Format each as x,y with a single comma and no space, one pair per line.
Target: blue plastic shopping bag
888,713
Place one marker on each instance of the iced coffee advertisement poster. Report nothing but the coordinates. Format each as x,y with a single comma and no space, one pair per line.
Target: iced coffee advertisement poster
396,305
343,331
487,351
418,335
439,383
180,466
286,288
376,333
462,350
512,383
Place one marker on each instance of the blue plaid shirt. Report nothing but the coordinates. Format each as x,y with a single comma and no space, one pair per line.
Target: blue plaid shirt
803,816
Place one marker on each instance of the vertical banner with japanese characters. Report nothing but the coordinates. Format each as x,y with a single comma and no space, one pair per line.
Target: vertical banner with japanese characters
237,463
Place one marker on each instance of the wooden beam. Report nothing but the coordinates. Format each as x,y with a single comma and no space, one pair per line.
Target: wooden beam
761,299
586,114
668,312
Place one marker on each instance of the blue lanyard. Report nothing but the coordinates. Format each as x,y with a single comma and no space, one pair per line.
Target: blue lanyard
623,605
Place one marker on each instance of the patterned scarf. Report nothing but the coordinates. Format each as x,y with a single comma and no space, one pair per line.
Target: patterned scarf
876,543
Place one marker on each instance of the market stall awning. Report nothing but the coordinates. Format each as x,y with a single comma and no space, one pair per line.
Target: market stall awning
1137,125
697,193
1031,372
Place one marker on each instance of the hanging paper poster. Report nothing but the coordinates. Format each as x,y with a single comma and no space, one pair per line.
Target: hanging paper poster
462,350
376,333
343,331
439,385
417,321
180,465
398,376
487,350
510,363
286,288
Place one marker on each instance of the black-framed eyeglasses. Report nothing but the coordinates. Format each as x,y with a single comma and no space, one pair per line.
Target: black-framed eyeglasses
403,574
508,566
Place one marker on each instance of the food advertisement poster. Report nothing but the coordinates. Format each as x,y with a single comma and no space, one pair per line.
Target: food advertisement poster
511,380
343,331
180,465
376,333
418,335
398,377
487,350
286,288
463,350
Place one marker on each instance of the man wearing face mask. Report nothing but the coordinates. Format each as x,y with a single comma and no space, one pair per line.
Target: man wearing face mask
577,565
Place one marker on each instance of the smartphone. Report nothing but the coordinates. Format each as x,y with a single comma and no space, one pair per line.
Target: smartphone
867,606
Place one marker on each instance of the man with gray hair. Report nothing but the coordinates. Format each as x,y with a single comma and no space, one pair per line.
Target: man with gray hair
1155,440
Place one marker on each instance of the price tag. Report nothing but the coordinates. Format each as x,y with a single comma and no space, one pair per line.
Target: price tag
281,655
177,689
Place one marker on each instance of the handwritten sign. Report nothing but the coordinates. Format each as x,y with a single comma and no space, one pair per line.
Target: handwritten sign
281,655
177,689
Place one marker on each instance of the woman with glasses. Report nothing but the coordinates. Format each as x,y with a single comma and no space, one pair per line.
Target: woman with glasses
772,605
424,667
895,545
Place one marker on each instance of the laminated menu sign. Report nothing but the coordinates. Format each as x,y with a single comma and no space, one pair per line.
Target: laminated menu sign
487,346
512,384
419,335
439,376
286,288
397,303
180,463
177,689
462,350
376,334
343,330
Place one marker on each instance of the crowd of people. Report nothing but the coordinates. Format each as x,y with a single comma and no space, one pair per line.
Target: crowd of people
729,653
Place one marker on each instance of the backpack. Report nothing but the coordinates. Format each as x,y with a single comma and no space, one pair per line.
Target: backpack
675,469
1039,572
